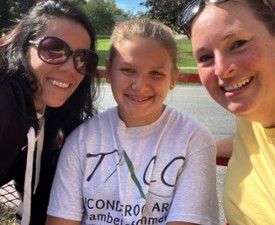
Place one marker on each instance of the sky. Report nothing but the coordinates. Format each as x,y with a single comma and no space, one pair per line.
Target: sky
131,5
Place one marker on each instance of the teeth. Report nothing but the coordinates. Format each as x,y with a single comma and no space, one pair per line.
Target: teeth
136,99
238,85
59,84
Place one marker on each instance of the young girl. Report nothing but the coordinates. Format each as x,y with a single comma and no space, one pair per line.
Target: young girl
140,162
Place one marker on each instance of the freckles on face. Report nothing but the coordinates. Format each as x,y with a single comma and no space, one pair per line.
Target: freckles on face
56,83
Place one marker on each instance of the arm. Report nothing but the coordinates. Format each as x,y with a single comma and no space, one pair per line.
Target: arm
195,198
13,131
225,147
51,220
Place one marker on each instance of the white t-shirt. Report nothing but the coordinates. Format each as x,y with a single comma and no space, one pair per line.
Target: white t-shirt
112,174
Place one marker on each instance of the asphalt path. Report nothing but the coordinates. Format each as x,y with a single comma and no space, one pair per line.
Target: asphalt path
195,101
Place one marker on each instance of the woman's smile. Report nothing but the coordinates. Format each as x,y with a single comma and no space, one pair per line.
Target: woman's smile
59,83
238,85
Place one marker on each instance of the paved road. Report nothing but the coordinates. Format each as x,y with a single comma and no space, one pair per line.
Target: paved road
194,101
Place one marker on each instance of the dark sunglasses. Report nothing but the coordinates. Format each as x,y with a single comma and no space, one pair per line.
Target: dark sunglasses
55,51
191,10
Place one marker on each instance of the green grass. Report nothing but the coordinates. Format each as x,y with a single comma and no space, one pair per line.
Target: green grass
103,45
185,57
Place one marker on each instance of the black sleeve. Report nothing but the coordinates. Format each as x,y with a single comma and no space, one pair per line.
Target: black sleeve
14,126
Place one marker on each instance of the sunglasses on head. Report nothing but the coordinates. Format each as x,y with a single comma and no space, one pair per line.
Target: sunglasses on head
191,10
55,51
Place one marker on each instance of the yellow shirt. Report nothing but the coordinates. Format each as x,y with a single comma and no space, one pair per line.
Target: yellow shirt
249,188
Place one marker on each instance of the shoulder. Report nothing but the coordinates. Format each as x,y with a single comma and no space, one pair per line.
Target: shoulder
246,125
185,127
10,100
15,89
184,120
97,123
16,104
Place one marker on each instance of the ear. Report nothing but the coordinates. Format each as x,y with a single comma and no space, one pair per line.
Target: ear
108,70
174,78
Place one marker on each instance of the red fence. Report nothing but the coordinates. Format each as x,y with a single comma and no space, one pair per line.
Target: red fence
8,195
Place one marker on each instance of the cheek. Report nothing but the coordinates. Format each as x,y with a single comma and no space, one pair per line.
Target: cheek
207,78
210,82
256,58
161,87
120,80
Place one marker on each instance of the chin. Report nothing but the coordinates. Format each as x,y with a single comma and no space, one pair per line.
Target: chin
56,104
238,110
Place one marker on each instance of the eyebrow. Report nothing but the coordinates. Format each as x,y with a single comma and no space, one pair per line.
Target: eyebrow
224,38
229,35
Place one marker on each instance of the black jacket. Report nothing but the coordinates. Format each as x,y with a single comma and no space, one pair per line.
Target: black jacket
17,115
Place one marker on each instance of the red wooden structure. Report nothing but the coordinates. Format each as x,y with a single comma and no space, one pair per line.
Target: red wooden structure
183,77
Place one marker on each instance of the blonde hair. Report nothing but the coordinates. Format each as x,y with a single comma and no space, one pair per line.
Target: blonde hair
144,28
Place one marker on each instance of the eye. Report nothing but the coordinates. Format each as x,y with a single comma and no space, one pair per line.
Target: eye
238,44
156,74
204,58
127,70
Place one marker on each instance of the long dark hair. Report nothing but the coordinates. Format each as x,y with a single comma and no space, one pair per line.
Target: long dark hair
13,60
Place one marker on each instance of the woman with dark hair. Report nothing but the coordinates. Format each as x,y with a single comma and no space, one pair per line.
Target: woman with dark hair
48,86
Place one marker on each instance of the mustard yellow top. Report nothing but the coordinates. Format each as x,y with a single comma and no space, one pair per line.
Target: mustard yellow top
249,189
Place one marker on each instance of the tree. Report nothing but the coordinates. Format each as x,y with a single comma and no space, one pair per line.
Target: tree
130,16
140,14
78,2
102,13
11,10
166,11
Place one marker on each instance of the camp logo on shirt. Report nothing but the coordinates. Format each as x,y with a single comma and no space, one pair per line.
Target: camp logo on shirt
113,211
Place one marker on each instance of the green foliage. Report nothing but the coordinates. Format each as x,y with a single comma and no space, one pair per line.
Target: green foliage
130,16
78,2
185,56
185,53
102,14
103,43
166,11
10,10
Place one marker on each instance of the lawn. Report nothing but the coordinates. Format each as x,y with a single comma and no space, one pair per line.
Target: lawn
185,57
103,44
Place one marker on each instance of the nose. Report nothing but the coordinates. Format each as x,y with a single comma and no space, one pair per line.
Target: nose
139,82
224,67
